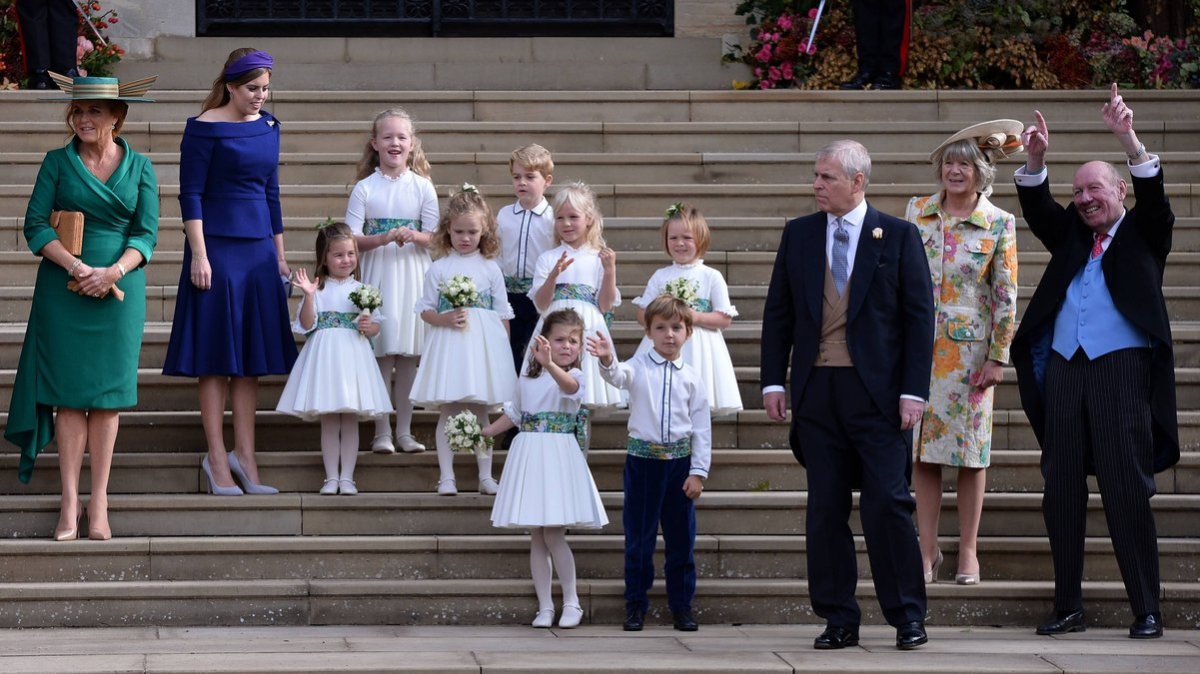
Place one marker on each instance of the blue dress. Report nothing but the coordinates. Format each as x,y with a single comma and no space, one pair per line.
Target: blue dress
240,327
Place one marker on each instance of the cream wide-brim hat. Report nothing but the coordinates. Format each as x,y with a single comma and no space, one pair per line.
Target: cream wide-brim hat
998,138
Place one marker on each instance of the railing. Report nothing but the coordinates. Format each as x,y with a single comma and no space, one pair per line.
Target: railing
449,18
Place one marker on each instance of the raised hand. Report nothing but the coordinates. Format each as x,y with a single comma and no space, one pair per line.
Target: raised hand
307,286
564,261
608,259
540,350
1118,117
599,347
1036,140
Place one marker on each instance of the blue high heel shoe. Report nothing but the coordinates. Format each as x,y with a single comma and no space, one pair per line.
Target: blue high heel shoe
213,487
250,487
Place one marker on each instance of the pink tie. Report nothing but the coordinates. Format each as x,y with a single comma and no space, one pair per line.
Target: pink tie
1098,246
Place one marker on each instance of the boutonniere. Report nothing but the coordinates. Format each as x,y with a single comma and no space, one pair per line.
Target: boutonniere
877,233
270,122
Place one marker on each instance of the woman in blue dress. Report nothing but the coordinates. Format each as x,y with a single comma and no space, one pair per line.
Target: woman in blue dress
231,316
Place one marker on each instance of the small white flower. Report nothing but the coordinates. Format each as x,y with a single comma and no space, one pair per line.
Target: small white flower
684,289
877,233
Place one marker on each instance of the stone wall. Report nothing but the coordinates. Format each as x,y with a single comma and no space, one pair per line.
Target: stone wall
708,18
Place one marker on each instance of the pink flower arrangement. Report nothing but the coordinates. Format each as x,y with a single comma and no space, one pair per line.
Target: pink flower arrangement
781,54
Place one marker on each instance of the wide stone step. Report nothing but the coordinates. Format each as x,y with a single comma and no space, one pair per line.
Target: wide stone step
624,234
310,168
485,556
300,470
1156,109
389,514
626,200
490,602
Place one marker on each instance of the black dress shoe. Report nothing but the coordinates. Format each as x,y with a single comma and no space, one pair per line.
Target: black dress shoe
1064,622
910,635
835,637
635,619
860,81
1148,626
887,81
685,621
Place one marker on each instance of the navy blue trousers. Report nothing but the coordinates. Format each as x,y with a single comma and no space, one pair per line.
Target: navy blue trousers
654,495
520,328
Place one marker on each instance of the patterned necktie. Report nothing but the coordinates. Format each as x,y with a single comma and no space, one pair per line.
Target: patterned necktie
840,266
1098,246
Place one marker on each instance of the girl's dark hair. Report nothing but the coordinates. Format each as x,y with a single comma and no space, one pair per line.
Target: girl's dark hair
326,235
467,202
566,317
219,95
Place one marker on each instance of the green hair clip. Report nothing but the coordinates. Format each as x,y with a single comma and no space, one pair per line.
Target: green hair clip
325,223
674,209
468,187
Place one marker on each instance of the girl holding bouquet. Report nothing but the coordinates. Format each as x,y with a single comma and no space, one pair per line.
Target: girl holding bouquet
546,485
335,378
393,211
467,362
579,274
686,239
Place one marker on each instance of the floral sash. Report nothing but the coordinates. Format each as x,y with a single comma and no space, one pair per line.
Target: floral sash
583,293
702,305
336,319
558,422
653,450
485,302
373,226
518,286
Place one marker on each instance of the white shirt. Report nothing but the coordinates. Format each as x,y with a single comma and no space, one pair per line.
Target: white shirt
484,272
709,283
543,394
524,236
586,269
408,196
667,402
335,296
852,223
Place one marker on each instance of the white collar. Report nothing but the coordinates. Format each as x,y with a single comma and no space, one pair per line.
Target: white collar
536,210
658,359
691,265
853,218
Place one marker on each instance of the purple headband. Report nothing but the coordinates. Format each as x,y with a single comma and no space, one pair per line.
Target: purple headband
252,61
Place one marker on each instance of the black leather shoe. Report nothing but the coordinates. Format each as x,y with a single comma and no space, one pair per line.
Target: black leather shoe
635,619
835,637
685,621
860,81
887,81
1148,626
911,635
1064,622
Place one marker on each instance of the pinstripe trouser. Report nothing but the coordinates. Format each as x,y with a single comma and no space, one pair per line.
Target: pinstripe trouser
1098,415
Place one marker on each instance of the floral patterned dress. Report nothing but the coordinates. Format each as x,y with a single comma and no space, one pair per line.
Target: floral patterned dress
973,264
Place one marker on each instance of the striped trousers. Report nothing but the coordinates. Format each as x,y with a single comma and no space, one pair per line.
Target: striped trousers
1098,419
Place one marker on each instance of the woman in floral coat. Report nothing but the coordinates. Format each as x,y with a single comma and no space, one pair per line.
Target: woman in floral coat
972,249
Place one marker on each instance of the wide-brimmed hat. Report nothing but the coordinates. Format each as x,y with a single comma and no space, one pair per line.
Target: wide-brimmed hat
998,138
102,89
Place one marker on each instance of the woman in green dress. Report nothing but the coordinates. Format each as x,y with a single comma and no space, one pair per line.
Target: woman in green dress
79,362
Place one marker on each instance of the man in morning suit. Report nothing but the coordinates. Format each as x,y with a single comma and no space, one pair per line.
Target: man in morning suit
1095,364
851,304
878,34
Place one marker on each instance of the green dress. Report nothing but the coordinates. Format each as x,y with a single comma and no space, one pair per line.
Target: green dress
82,352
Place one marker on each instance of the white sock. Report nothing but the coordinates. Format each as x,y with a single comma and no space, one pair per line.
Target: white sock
349,445
331,430
385,369
541,568
564,561
406,372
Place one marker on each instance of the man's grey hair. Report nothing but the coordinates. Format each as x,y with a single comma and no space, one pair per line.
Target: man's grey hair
851,155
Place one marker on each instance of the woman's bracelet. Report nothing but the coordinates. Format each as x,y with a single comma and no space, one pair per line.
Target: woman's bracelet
74,266
120,269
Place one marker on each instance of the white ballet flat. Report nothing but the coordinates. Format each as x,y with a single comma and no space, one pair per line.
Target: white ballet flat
488,486
347,487
447,488
382,444
409,444
544,618
571,615
330,487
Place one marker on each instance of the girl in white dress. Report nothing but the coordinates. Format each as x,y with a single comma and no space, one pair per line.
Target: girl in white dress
579,274
546,485
686,239
393,211
467,364
335,378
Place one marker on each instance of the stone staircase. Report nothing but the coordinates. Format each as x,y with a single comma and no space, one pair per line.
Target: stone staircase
399,554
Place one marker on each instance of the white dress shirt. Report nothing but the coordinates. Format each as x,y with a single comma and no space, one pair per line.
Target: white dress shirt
1146,169
524,236
667,402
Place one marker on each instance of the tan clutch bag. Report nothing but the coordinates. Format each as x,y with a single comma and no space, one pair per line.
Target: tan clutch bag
69,225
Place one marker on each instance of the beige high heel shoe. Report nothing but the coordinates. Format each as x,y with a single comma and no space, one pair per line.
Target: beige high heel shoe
95,533
68,534
931,575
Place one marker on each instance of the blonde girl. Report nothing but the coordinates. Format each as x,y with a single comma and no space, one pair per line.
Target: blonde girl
467,363
393,211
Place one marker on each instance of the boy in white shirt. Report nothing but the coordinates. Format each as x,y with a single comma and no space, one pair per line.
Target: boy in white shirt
670,450
526,231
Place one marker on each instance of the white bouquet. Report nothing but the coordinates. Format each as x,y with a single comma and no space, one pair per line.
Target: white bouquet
465,434
459,291
366,298
684,289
